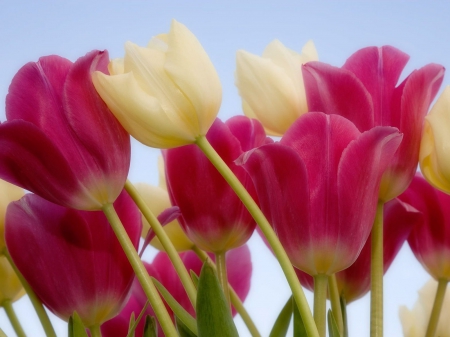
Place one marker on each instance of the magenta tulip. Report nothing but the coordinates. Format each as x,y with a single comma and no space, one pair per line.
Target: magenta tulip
430,240
365,91
72,259
60,140
239,271
213,217
318,187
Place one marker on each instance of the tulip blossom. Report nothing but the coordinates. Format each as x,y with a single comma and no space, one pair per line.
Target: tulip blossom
271,86
430,240
73,260
213,217
239,271
8,193
60,141
435,145
166,94
10,287
365,91
318,188
415,321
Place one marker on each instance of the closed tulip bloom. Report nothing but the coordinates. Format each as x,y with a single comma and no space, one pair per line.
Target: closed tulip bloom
318,188
60,140
239,268
212,216
430,240
166,94
8,193
415,321
435,145
73,260
365,90
10,287
271,86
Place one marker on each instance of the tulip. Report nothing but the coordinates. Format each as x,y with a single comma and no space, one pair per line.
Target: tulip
8,194
318,188
434,148
10,287
72,260
213,217
365,91
60,141
239,270
271,86
166,94
415,321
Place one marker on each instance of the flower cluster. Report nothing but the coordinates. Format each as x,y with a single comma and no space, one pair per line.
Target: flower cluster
334,198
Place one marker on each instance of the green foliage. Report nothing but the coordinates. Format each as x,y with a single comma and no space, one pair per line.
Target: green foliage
150,327
183,331
333,329
281,325
299,327
76,326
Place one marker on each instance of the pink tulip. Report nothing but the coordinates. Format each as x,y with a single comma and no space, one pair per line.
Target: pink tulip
213,217
72,259
365,91
60,140
239,272
430,240
318,188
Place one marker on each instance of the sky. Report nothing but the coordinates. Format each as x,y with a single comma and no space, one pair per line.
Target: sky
31,29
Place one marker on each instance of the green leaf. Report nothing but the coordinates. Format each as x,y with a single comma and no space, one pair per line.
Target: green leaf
2,333
76,326
281,326
150,327
194,278
134,323
213,312
333,329
177,309
299,327
182,329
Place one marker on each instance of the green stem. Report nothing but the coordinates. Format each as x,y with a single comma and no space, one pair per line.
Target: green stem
376,275
344,316
320,303
165,242
437,306
235,300
13,318
267,230
140,271
335,302
222,274
38,307
95,331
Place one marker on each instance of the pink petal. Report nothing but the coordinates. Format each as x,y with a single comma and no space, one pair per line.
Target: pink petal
249,132
338,91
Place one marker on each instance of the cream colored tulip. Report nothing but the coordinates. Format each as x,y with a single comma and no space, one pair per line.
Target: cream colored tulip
434,155
272,87
166,94
415,321
10,287
8,193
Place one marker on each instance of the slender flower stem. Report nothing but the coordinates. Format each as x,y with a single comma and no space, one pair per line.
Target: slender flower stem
235,300
38,307
320,303
437,306
140,271
344,316
376,275
13,318
222,274
267,230
165,242
95,331
335,302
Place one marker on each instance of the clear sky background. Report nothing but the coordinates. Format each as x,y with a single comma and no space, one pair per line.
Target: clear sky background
30,29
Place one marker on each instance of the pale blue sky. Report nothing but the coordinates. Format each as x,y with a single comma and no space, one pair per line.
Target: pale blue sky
30,29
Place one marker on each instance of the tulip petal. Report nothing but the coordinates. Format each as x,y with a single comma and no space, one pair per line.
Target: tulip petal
338,91
249,132
194,74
